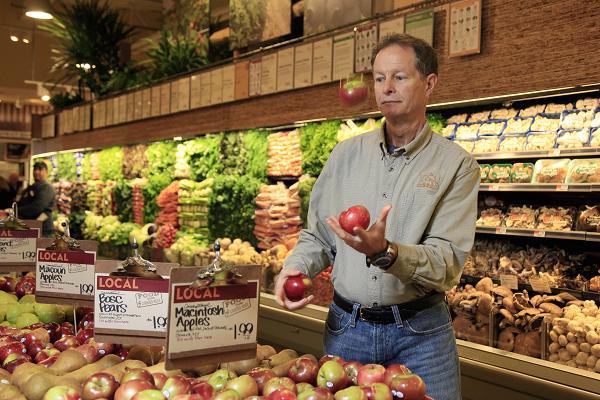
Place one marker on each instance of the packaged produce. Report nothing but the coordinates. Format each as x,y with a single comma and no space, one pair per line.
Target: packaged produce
587,103
512,143
458,119
285,157
500,173
479,116
576,119
466,131
193,205
555,218
503,113
521,173
540,141
168,201
573,139
532,111
448,130
589,219
490,217
584,171
545,123
486,144
520,217
491,128
466,144
518,125
485,172
595,138
554,108
551,171
350,129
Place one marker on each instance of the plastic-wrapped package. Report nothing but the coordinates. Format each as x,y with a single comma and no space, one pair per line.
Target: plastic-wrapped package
576,119
544,123
555,218
520,217
532,111
500,173
554,108
573,139
491,128
485,172
595,138
540,141
512,143
448,131
486,144
479,116
587,103
503,113
518,125
589,219
521,173
551,170
466,131
466,144
458,119
490,217
584,171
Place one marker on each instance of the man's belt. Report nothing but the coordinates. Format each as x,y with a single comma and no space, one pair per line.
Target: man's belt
385,314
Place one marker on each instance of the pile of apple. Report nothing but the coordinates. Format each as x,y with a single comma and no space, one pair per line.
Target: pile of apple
19,286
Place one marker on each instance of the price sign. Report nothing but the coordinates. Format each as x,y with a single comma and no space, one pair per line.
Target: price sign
510,281
129,309
539,284
538,233
501,230
554,153
494,187
562,188
211,323
17,248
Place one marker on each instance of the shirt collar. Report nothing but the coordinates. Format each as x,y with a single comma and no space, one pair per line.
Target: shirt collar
411,149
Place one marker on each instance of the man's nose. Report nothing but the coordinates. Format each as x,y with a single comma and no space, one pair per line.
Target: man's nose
389,86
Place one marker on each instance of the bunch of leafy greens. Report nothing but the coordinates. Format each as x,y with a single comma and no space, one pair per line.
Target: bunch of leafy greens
317,140
134,161
436,121
232,207
66,167
204,157
123,200
159,174
304,190
110,163
257,145
233,155
86,167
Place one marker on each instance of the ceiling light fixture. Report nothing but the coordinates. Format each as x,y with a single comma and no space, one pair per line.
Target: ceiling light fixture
14,38
38,9
25,40
45,97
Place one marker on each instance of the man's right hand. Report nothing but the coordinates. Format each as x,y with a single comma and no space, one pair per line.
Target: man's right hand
280,297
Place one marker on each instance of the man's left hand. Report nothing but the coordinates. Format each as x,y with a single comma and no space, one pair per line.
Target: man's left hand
370,241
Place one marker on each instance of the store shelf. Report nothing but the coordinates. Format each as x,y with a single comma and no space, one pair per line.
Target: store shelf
501,230
554,153
592,237
539,187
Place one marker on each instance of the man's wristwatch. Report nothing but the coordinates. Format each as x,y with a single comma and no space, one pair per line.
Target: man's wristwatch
386,258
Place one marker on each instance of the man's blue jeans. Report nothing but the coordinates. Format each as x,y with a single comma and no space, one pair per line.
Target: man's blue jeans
424,343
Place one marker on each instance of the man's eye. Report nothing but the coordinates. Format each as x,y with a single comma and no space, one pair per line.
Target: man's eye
399,78
379,79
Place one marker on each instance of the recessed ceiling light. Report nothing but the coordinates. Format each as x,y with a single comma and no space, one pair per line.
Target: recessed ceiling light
25,40
14,38
38,14
45,97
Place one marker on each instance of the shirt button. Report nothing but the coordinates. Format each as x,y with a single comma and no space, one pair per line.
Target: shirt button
391,169
385,195
374,278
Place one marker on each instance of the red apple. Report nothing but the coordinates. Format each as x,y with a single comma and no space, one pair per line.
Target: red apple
160,379
353,92
67,328
261,375
244,385
219,378
296,287
53,330
407,387
86,321
377,391
89,352
370,373
14,360
46,353
4,340
47,362
123,353
355,216
131,374
149,394
127,390
38,334
304,370
62,393
103,348
7,283
278,383
351,368
35,347
99,385
303,386
25,285
10,348
330,357
332,376
316,394
191,397
81,312
227,395
176,385
281,394
393,371
84,335
350,393
66,342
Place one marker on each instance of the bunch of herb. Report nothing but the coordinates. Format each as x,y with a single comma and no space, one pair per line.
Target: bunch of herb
123,200
436,121
204,157
110,163
257,146
66,167
159,174
317,140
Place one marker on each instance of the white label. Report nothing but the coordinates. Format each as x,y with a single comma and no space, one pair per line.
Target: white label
65,272
18,246
155,106
228,83
216,86
366,39
285,69
303,65
510,281
268,74
184,94
391,26
254,71
343,56
133,304
539,233
322,54
195,91
539,284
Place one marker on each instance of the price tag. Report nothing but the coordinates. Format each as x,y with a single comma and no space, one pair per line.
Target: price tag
495,187
554,153
540,234
539,284
18,246
562,188
130,309
215,322
510,281
501,230
66,274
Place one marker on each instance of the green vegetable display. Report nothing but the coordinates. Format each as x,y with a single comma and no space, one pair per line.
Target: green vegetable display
304,190
66,167
110,163
233,155
437,122
123,194
317,140
134,161
159,174
204,157
86,167
257,148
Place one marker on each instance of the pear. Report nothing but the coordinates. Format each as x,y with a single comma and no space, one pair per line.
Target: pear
6,298
2,315
68,361
28,298
26,319
12,312
50,313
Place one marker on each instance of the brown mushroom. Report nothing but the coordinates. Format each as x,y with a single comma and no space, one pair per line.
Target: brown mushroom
567,296
521,301
535,300
502,291
550,308
507,303
484,285
485,304
528,311
507,316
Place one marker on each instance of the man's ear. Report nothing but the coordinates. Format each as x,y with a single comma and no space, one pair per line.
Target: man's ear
431,81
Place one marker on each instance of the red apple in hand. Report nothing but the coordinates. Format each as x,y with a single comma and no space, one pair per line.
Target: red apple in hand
296,287
100,385
355,216
332,376
330,357
127,390
62,393
351,368
370,373
304,370
393,371
408,387
261,375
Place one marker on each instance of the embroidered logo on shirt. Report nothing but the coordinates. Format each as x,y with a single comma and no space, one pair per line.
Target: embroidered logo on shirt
428,181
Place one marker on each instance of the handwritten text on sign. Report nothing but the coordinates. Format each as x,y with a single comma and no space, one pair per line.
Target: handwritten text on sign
67,272
204,318
18,246
131,303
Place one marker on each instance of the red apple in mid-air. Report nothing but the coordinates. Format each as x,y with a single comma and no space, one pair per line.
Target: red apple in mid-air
350,393
99,386
393,371
296,287
353,92
127,390
407,387
330,357
62,393
261,375
304,370
317,393
244,385
370,373
351,368
355,217
332,376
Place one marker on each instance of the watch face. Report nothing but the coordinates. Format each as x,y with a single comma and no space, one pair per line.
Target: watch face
382,262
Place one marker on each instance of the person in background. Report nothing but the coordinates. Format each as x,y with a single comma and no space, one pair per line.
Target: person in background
15,186
6,197
38,200
421,191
